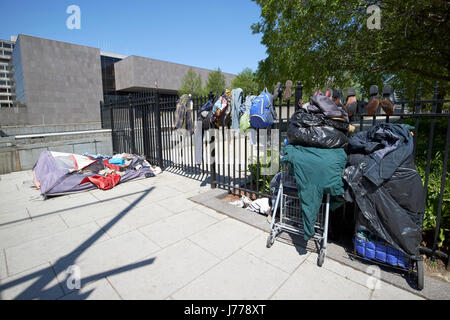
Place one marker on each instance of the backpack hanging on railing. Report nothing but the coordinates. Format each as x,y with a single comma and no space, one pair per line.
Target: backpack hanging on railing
204,114
221,111
262,114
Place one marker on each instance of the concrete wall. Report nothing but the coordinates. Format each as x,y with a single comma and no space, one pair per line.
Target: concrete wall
62,81
21,152
54,128
13,116
137,72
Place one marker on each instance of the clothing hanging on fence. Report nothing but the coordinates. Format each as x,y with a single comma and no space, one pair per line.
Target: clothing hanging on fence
236,107
183,115
317,171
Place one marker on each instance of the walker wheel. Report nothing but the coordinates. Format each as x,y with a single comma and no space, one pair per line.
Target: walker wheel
270,240
321,258
420,277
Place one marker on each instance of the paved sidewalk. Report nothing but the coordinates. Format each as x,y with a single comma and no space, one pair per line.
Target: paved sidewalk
146,240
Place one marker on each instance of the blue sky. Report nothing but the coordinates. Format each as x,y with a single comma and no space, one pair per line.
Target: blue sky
201,33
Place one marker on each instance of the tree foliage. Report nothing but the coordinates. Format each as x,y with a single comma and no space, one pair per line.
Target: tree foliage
216,82
192,83
246,80
327,43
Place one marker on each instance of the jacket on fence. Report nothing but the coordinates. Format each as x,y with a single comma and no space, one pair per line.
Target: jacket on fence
315,130
387,146
183,114
317,171
393,210
236,107
244,121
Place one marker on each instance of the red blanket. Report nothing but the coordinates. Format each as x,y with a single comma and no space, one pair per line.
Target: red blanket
102,182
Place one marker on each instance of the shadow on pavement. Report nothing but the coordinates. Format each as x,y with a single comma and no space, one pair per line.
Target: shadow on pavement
45,276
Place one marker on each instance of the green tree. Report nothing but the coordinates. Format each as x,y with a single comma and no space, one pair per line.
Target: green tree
316,41
192,83
246,80
216,82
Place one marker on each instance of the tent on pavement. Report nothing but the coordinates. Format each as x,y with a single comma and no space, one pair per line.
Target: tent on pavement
57,173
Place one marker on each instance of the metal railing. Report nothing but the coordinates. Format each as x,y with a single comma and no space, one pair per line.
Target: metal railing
244,163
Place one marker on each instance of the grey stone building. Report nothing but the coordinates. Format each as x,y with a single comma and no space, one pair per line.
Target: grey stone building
56,82
62,83
137,73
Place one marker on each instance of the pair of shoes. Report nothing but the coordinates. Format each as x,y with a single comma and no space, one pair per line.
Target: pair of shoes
386,103
287,93
277,91
351,104
338,98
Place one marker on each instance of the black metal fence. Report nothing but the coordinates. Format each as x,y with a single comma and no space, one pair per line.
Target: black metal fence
244,163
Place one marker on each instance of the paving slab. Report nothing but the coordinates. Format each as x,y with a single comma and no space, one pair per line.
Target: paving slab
155,194
225,237
136,218
386,291
100,210
177,204
98,290
120,191
39,251
61,205
310,282
15,235
241,276
173,268
105,258
283,256
37,283
3,270
175,228
210,212
14,217
347,272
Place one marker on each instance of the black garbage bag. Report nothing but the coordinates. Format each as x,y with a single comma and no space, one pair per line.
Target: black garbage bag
315,130
393,210
322,104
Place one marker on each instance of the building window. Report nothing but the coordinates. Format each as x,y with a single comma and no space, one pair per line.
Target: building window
7,45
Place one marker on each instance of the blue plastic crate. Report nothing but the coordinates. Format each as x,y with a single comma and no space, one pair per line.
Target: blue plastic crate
375,250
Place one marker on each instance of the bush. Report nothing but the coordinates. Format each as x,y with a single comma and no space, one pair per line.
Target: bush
265,175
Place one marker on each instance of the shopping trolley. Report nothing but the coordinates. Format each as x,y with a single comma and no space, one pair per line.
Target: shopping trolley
288,207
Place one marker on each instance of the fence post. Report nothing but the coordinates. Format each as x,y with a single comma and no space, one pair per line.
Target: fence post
131,121
298,95
158,132
212,143
111,119
145,111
